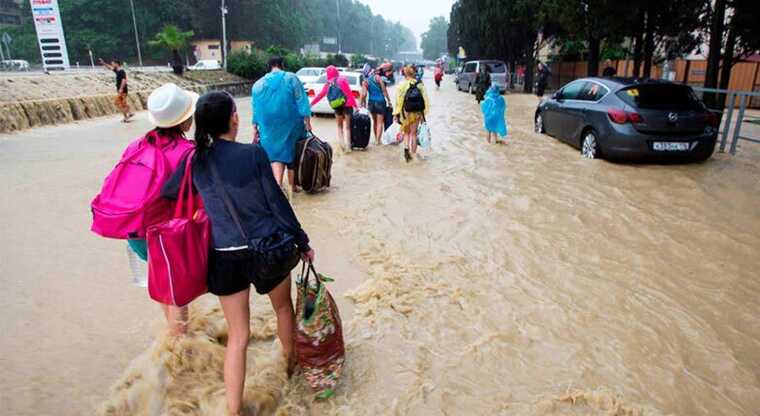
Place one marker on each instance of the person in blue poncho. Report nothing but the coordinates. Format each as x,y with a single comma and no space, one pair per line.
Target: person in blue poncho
281,116
494,107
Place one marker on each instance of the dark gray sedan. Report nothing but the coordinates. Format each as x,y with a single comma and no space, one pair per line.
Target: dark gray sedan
622,118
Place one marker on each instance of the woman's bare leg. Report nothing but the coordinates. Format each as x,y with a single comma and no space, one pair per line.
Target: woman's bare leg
347,132
278,169
341,141
176,319
237,314
413,138
283,309
292,180
379,127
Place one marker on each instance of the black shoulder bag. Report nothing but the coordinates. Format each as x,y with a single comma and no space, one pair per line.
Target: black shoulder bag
275,255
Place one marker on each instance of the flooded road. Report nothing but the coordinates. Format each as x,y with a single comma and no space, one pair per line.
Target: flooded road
486,279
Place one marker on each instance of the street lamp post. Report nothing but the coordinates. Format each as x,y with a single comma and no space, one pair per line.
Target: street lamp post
137,37
340,50
224,36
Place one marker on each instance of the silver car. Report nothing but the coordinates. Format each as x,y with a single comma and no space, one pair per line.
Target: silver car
466,79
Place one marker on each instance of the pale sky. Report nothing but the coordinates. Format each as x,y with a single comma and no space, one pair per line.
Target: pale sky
414,14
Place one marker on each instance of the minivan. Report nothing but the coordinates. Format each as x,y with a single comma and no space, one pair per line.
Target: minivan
466,80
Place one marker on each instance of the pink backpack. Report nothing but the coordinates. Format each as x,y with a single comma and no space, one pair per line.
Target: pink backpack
130,199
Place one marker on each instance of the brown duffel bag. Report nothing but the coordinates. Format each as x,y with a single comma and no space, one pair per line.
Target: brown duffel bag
313,164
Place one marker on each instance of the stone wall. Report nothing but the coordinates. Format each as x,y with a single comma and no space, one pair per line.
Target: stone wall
22,115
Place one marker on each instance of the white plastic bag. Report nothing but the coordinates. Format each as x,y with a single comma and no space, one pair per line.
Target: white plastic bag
392,135
138,267
424,137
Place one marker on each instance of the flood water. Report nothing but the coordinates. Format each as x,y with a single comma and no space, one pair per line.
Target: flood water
484,280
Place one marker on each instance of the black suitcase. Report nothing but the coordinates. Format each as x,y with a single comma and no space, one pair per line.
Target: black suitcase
361,126
388,118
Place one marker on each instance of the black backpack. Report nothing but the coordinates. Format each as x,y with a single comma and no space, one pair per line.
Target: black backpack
414,101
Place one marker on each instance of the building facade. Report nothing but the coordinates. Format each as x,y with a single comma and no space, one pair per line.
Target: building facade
10,13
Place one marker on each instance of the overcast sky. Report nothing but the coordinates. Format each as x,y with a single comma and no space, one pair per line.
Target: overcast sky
414,14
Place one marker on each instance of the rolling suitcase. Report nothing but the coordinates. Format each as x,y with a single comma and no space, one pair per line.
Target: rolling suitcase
361,126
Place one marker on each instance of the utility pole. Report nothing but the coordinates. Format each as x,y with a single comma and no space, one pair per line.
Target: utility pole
137,37
337,4
224,36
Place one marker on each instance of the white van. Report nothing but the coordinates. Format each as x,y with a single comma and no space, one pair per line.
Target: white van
466,79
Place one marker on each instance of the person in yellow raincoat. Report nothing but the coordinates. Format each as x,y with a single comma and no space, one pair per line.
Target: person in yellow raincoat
412,105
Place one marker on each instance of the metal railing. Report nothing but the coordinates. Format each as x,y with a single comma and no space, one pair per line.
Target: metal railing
729,122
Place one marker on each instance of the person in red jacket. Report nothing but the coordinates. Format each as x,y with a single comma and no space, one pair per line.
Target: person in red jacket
344,111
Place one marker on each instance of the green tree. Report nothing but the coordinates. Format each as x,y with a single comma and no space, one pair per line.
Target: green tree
172,39
434,41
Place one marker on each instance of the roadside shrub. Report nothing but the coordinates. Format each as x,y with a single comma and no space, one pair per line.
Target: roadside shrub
337,60
251,65
293,62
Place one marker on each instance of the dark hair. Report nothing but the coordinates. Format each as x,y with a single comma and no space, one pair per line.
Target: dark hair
118,62
275,62
172,133
212,118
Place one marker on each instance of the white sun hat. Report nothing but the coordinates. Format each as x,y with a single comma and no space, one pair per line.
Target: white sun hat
170,105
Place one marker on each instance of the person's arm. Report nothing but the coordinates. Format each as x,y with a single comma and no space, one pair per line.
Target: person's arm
321,94
400,92
255,120
385,90
425,97
281,209
302,101
365,92
343,85
105,65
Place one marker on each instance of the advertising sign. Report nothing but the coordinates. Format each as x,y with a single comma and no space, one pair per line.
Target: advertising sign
47,21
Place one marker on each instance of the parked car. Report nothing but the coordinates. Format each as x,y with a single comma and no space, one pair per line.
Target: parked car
624,118
309,75
14,65
466,78
323,106
205,65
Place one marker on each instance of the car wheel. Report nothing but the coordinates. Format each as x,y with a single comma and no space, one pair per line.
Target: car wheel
539,124
590,145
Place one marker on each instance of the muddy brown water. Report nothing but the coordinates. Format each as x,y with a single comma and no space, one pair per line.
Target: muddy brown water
509,280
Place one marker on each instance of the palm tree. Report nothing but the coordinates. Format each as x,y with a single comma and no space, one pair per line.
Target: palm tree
173,39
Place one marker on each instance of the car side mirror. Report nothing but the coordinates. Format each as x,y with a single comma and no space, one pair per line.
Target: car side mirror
557,95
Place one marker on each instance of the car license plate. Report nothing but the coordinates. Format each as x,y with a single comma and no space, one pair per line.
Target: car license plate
671,146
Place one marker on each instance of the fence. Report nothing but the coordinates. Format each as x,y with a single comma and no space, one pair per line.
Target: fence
733,126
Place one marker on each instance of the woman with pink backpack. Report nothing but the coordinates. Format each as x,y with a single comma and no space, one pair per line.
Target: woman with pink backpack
129,201
342,101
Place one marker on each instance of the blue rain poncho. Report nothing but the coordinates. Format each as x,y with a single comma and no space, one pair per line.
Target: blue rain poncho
279,107
493,107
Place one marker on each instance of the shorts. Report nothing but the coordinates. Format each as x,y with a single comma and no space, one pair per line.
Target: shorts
377,107
230,272
121,102
344,111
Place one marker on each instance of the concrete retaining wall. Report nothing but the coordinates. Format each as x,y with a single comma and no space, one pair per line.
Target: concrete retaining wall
27,114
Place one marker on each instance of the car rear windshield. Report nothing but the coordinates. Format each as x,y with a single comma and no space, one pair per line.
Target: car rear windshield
497,67
660,97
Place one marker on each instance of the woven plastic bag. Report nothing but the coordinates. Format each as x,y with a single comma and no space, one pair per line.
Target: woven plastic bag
319,334
424,138
392,135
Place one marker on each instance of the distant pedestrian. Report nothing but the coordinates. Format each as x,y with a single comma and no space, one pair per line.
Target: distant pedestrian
281,116
342,101
375,97
438,76
609,72
412,105
494,108
122,87
542,79
482,82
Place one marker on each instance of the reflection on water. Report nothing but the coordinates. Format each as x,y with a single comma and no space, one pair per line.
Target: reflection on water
514,280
